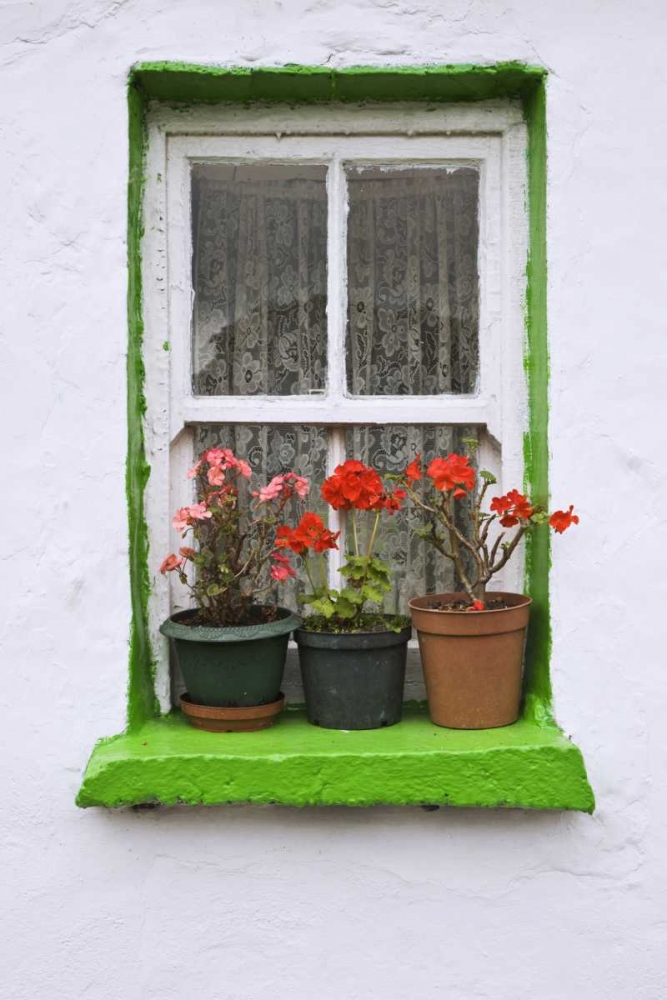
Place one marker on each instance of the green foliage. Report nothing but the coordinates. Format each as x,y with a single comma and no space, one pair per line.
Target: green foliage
368,580
488,476
367,622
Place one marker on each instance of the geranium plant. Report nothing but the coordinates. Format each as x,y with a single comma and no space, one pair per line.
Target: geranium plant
482,550
234,560
359,490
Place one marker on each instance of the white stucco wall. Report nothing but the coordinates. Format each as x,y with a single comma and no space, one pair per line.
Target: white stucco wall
332,904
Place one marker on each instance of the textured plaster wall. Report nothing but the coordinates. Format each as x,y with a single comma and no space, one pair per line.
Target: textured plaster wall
328,904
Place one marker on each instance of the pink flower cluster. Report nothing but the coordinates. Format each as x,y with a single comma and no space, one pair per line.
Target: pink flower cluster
219,461
281,569
186,516
284,486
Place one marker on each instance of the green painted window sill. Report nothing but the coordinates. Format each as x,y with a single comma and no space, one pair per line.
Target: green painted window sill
524,766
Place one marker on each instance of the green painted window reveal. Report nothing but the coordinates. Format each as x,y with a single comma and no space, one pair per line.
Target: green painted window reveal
161,759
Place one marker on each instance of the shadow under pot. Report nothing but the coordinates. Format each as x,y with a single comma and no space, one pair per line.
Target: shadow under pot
472,660
230,672
353,680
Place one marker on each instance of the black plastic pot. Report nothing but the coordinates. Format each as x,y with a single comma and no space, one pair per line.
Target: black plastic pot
353,680
232,667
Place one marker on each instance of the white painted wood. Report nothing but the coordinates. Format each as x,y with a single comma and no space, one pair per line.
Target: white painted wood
490,136
156,423
327,409
483,117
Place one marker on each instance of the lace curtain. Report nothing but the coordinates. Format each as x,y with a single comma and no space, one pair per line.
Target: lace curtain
259,319
260,280
413,308
271,449
416,567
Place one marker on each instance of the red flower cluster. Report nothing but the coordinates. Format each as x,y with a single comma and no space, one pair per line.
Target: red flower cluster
452,473
413,473
310,533
354,485
514,507
561,520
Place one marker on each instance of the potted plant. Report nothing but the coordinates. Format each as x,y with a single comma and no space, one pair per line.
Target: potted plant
231,646
352,654
472,641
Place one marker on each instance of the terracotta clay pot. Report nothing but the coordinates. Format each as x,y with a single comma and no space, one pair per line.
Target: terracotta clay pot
232,720
472,660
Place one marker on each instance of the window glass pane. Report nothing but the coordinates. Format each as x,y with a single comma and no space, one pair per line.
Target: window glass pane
272,449
413,310
260,279
416,567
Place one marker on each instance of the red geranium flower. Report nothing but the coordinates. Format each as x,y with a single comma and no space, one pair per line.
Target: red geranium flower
414,470
514,507
561,520
310,533
452,472
353,485
392,502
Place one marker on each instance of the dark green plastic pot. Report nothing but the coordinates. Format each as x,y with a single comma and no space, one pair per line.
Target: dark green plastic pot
353,680
232,667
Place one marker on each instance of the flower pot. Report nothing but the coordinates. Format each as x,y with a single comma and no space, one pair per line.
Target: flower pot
472,660
235,667
353,680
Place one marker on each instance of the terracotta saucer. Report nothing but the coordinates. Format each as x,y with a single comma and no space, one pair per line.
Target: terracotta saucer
232,720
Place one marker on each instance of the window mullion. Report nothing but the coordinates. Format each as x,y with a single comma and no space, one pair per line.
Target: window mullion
336,279
337,518
336,326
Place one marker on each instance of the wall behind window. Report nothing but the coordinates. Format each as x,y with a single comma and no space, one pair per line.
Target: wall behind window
336,903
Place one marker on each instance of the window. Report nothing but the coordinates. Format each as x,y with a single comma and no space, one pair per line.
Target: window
334,285
372,395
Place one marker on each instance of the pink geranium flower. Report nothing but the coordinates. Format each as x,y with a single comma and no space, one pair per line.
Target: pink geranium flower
299,483
272,491
170,563
216,475
199,511
181,519
186,515
215,456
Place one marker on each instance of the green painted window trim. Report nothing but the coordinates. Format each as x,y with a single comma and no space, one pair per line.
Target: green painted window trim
529,765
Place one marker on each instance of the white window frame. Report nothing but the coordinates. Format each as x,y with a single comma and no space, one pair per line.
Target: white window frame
491,136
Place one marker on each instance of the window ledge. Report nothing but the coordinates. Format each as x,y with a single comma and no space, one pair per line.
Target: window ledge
166,761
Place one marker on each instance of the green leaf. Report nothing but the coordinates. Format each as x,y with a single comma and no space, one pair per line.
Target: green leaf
540,517
213,589
487,476
345,608
323,606
373,594
351,572
352,595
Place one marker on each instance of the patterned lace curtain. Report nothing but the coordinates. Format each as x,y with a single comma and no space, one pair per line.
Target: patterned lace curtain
260,280
413,311
259,318
413,321
272,449
416,568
